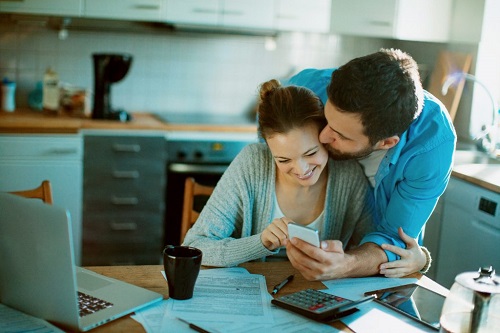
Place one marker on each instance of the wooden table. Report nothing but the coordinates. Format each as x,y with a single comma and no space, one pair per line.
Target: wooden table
149,277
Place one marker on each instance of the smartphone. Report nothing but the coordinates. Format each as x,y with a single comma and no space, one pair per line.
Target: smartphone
307,234
414,301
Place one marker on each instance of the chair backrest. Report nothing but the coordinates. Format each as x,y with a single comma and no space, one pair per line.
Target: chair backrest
189,214
42,192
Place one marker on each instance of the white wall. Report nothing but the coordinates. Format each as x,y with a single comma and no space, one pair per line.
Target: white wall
171,71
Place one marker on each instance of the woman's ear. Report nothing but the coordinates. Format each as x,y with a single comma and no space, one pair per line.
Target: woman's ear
387,143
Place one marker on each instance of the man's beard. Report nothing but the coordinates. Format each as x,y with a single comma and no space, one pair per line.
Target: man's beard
339,156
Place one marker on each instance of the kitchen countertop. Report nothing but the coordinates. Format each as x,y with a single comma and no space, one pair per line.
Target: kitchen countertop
484,175
25,121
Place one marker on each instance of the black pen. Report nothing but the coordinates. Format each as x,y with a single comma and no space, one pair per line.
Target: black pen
193,326
281,285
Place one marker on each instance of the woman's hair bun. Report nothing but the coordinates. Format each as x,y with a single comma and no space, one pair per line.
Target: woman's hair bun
267,88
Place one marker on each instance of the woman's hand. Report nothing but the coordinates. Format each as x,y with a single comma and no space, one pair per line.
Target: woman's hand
276,234
413,259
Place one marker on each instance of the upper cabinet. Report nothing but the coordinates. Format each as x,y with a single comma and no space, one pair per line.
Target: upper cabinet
140,10
422,20
256,14
303,15
238,15
48,7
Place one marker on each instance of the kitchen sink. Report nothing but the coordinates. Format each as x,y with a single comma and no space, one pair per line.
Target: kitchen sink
473,157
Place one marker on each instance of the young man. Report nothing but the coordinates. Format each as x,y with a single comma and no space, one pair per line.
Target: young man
379,114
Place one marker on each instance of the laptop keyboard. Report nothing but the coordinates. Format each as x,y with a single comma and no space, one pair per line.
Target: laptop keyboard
90,304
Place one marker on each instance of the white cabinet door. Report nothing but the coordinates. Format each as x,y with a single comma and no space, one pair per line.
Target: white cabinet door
422,20
258,14
303,15
140,10
27,160
50,7
364,17
202,12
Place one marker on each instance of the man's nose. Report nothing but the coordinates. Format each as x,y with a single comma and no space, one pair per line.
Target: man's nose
326,135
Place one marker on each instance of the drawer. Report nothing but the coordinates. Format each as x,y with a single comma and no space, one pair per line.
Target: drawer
41,147
123,197
99,149
122,230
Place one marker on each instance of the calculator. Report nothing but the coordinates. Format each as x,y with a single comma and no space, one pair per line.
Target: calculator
319,305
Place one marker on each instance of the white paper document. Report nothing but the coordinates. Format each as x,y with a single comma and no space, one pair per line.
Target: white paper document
225,297
14,321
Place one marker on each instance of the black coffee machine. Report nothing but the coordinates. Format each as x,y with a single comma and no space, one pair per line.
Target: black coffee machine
108,68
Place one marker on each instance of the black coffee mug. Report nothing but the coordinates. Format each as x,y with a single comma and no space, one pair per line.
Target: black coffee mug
182,265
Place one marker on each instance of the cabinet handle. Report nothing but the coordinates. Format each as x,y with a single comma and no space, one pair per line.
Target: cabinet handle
380,23
203,11
126,174
125,148
123,226
147,7
125,201
232,12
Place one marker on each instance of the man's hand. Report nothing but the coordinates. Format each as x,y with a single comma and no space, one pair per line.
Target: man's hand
316,263
276,234
412,259
331,262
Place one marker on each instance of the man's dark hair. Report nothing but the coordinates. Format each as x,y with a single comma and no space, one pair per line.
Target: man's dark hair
384,88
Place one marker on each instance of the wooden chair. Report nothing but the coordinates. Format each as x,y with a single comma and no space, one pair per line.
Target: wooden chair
42,192
189,214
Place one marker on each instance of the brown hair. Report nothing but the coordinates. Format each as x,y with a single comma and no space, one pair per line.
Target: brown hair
282,109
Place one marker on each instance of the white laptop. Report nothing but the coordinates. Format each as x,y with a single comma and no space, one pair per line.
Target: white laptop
38,275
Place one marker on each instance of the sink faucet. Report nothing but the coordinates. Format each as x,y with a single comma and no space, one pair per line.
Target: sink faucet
488,137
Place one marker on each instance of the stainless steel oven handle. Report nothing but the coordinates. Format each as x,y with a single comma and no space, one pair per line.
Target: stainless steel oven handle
197,168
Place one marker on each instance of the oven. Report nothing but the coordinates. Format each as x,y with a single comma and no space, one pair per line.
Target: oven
201,155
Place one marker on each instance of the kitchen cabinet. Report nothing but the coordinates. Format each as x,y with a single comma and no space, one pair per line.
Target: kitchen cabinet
423,20
50,7
303,15
140,10
257,14
26,160
470,230
123,198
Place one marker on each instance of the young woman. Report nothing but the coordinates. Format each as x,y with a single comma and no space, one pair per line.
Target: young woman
288,178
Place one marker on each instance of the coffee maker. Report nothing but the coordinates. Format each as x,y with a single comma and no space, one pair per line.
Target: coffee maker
108,68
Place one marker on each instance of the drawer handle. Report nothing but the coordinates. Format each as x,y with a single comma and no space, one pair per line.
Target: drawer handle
123,226
126,174
124,201
62,151
123,148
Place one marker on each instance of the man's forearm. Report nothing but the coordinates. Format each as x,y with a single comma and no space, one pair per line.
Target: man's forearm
364,260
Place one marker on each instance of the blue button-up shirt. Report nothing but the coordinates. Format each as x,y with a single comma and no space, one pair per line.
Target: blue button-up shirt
413,174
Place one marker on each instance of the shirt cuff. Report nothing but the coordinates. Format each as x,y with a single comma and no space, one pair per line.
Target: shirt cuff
379,239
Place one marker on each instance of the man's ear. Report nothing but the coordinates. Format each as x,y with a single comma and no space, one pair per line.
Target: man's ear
387,143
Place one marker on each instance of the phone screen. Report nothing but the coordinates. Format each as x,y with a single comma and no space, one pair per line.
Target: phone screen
418,302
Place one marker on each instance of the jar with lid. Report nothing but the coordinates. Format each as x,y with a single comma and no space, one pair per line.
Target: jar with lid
473,304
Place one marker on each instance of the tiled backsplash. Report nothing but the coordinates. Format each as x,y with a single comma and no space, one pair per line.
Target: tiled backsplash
171,71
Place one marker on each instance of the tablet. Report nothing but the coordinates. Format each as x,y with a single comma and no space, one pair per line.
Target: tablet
412,300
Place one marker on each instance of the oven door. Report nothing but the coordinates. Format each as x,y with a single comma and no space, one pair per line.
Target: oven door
206,174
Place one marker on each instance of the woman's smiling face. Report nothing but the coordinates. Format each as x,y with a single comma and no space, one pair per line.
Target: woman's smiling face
298,154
